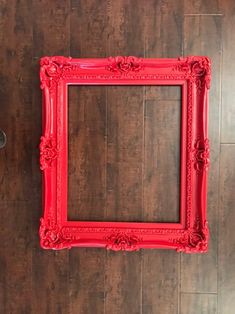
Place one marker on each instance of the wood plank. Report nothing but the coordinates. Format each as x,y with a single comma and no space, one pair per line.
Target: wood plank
87,155
51,28
125,28
226,252
228,93
163,38
86,281
88,144
16,100
206,40
88,29
50,269
160,282
122,283
124,156
162,161
15,257
192,303
15,157
124,153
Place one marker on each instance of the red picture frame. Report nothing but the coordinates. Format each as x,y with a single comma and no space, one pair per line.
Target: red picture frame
193,74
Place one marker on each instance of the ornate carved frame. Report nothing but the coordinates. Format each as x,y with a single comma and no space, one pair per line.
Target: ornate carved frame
193,74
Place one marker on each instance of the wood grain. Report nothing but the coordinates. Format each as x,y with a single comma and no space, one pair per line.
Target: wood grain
163,37
87,153
15,158
49,269
160,276
199,7
15,117
123,283
206,40
88,29
124,153
124,156
226,231
199,303
87,145
228,93
162,160
86,281
15,257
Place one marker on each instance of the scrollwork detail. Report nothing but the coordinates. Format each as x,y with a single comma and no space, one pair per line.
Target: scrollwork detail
48,152
51,235
201,155
197,69
122,241
52,69
124,65
194,240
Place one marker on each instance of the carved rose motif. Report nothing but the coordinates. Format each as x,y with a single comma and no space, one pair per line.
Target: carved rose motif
124,64
201,155
122,242
48,152
194,240
197,69
51,236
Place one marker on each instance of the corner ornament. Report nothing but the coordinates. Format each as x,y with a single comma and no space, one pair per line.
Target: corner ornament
194,240
52,69
51,236
124,65
197,69
122,241
201,155
48,152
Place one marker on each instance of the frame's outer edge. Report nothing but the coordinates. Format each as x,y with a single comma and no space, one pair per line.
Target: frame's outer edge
193,74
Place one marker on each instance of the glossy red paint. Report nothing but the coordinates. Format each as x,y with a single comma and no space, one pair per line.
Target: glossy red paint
193,74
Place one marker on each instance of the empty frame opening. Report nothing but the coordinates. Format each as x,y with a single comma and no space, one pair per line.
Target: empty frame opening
124,153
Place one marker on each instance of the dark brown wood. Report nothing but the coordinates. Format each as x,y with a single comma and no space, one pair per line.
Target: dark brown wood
156,280
161,160
86,281
49,269
87,146
206,39
113,166
124,156
15,158
87,153
226,230
124,153
123,283
16,257
163,38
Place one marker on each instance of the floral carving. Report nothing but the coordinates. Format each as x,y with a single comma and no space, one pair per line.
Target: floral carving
197,69
124,65
122,241
194,240
52,69
48,152
51,236
201,155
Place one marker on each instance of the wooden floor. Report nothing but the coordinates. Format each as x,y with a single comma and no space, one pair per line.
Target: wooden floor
123,158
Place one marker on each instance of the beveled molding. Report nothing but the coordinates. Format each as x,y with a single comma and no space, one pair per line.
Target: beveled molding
193,74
